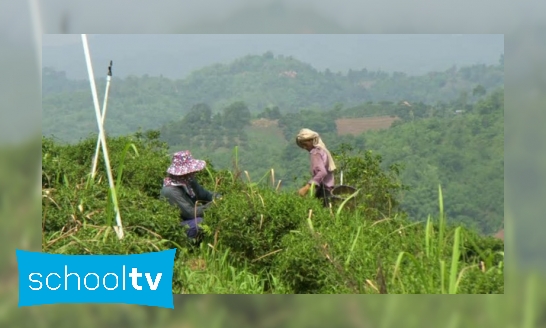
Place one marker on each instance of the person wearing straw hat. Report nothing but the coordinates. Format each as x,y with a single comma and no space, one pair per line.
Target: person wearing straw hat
181,189
322,165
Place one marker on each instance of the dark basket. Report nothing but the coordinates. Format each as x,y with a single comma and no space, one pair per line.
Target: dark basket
341,193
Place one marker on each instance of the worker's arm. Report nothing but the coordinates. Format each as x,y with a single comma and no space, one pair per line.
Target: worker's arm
201,193
177,197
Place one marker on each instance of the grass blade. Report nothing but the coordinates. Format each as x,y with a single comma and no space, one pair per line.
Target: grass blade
443,276
353,247
428,236
122,162
441,223
345,202
454,262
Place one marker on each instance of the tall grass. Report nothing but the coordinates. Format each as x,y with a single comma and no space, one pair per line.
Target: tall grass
260,240
211,272
434,250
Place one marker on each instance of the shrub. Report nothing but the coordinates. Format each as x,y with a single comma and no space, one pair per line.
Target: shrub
259,239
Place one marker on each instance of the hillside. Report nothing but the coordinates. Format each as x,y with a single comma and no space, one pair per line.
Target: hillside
429,175
433,145
259,81
258,239
464,153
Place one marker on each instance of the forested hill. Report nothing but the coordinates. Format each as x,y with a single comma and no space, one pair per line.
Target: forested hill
262,81
457,145
177,55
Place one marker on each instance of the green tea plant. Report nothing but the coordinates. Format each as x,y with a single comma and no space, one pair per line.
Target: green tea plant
258,238
379,187
214,272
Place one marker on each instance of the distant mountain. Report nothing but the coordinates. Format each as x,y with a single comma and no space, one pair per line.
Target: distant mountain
176,56
260,81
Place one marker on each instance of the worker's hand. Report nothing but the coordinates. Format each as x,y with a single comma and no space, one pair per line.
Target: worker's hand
304,190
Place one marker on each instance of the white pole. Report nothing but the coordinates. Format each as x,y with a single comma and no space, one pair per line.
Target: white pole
96,158
118,228
37,29
37,33
36,20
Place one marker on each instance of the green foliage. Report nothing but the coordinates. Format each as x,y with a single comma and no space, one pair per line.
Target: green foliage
236,116
252,223
380,189
258,81
202,129
463,152
259,239
74,200
270,113
436,143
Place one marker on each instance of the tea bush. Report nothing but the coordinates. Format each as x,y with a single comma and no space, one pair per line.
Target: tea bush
379,187
251,223
259,239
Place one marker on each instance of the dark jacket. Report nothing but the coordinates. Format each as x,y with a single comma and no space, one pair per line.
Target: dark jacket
179,196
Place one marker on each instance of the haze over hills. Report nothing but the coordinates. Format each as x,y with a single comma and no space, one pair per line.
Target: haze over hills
175,56
260,81
451,134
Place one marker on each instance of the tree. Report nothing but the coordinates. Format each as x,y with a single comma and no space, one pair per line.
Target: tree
268,55
270,113
479,91
236,116
200,113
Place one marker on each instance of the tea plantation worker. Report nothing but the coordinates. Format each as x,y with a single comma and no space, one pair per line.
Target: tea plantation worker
181,189
322,165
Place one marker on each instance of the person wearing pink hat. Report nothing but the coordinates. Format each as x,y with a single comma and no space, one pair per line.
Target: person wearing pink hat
181,189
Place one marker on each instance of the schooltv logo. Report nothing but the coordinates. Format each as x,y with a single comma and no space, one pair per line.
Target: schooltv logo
141,279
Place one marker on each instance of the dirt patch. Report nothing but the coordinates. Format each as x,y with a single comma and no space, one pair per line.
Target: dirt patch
265,123
366,84
356,126
345,126
266,128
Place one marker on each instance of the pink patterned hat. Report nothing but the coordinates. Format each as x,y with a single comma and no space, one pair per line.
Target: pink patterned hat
183,163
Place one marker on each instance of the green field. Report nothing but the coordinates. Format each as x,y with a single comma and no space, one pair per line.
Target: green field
259,239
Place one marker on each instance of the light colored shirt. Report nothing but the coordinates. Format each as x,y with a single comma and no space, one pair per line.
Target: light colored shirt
319,169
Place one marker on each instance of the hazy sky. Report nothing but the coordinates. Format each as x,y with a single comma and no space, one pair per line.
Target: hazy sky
166,16
175,56
520,20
